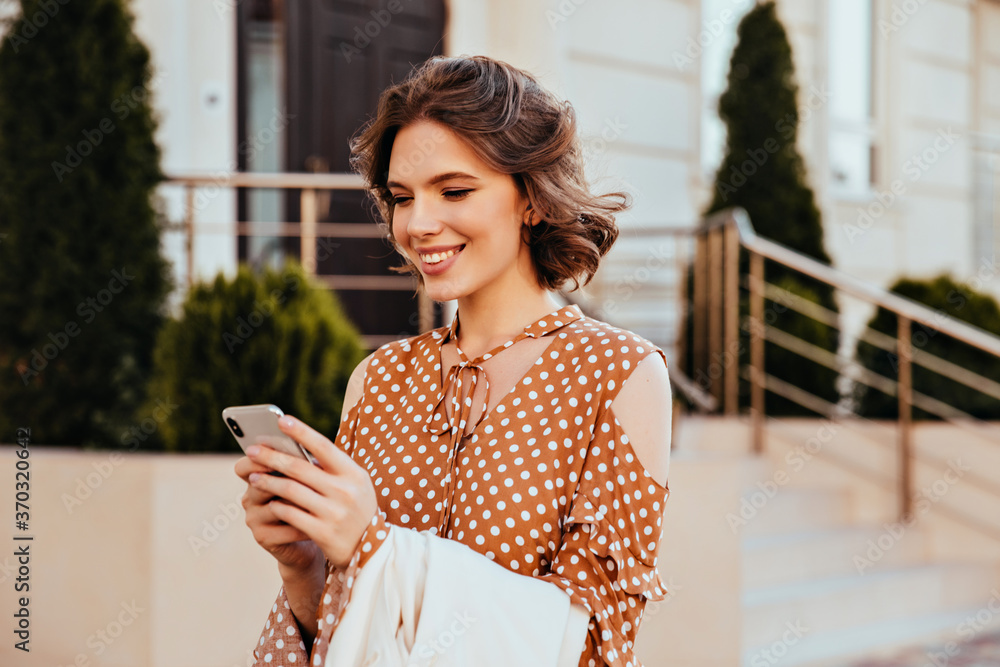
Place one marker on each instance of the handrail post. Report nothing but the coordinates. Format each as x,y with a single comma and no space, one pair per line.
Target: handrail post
715,306
757,351
731,352
307,238
189,232
683,311
905,393
699,311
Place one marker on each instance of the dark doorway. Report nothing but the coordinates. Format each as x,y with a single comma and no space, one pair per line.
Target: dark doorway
339,56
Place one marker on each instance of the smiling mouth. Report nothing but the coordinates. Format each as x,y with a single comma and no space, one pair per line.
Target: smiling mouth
438,257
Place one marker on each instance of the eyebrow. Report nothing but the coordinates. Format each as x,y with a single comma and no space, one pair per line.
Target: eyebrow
447,176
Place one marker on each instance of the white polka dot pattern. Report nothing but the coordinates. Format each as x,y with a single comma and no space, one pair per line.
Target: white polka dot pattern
547,483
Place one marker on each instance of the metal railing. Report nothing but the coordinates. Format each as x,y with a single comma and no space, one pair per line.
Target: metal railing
716,325
714,311
308,228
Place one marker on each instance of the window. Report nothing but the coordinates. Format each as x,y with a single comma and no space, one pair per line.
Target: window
851,111
260,148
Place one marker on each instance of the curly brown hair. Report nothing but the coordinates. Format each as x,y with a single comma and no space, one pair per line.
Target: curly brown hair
516,127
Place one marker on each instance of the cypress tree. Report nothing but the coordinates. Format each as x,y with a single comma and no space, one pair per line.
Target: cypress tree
763,172
84,280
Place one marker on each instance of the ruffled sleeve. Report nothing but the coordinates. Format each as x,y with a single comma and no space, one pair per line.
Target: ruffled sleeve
281,642
607,559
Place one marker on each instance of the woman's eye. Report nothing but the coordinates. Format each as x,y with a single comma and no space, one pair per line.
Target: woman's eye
450,194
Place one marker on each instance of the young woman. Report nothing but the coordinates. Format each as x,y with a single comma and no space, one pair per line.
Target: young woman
533,434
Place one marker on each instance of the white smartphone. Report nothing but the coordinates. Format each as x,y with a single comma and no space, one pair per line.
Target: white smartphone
258,424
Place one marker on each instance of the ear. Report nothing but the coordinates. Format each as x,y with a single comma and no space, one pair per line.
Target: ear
529,219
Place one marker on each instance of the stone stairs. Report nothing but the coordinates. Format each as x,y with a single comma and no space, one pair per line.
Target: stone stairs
819,588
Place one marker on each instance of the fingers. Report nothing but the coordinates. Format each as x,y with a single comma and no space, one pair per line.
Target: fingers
293,492
246,465
332,458
318,479
297,518
274,535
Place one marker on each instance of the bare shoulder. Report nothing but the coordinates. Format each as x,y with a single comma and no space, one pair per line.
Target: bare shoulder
356,385
644,408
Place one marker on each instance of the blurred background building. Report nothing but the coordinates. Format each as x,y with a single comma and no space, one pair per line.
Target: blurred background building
788,540
898,105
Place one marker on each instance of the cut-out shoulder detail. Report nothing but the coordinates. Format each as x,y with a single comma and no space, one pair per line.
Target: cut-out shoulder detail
355,385
643,407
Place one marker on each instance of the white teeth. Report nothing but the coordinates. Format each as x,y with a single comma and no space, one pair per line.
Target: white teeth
437,257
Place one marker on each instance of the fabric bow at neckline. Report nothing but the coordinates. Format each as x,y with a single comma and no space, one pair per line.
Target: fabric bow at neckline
462,378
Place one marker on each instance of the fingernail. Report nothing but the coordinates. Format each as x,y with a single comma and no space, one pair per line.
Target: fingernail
254,476
253,450
287,421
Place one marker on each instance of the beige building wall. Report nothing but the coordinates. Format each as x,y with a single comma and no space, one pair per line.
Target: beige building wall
638,113
934,62
145,560
193,48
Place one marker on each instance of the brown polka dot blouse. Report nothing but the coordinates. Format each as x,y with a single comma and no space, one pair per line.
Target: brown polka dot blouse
546,484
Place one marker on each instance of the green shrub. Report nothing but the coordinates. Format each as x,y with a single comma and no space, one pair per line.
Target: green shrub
763,173
83,278
277,338
952,298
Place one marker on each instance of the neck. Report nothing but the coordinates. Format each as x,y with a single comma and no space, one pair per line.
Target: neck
488,321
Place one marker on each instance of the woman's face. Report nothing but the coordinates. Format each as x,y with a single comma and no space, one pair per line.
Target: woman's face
455,218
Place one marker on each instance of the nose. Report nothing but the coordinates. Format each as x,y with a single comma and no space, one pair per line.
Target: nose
423,219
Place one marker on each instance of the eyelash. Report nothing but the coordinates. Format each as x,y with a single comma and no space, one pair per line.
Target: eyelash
396,201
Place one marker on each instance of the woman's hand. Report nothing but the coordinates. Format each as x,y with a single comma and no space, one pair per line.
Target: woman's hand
331,505
292,548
